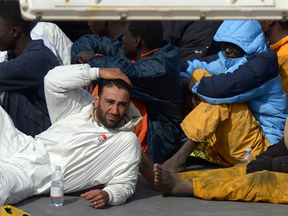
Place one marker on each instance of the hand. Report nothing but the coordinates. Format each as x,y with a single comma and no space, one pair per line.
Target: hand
101,198
195,101
191,85
261,163
113,73
86,56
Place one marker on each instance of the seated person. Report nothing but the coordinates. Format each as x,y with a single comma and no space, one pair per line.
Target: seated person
115,30
110,29
22,76
141,128
153,67
265,181
277,34
92,140
243,105
194,38
57,37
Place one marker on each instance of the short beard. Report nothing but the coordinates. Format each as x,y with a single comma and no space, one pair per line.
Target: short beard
102,119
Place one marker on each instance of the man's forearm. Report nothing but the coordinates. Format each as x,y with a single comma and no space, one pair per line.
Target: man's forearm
62,89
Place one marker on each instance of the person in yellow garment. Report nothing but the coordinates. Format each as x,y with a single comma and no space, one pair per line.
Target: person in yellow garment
242,100
263,179
277,34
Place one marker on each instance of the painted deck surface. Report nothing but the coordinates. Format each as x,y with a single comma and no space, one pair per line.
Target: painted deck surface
146,202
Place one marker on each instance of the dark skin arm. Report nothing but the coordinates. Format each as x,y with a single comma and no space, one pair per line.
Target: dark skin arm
86,56
190,100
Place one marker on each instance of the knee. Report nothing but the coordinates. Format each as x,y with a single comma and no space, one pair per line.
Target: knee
198,74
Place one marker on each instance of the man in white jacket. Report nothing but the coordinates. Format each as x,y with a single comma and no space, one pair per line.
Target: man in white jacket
92,140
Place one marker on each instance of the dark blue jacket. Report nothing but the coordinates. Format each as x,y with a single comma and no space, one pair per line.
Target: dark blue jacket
156,83
22,78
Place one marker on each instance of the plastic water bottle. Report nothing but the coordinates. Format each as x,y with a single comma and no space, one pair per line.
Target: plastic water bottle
247,157
57,187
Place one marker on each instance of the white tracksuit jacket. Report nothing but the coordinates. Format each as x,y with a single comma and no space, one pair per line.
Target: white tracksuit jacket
74,142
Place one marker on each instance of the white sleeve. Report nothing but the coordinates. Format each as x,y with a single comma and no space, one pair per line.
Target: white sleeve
123,184
63,92
57,37
3,56
48,44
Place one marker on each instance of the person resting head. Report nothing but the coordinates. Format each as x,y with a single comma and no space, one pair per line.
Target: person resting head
114,96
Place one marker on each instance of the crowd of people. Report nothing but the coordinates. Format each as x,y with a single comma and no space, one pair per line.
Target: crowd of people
143,96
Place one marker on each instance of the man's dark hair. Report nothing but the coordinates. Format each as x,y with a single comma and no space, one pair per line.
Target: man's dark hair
284,25
151,32
11,15
120,84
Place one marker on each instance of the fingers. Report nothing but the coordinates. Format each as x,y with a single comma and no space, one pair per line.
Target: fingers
98,203
85,194
127,80
121,75
98,198
113,73
157,170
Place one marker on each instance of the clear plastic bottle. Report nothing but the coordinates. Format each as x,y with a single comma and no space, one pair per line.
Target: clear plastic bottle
57,187
247,157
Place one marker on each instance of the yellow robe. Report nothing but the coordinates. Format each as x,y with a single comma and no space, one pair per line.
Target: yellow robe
233,184
281,48
224,131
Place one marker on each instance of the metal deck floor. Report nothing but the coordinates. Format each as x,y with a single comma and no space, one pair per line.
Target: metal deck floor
146,201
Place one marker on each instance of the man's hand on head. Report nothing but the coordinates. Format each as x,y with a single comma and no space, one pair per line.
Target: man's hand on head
113,73
98,198
86,56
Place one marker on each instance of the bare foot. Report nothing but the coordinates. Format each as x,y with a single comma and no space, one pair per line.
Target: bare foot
173,165
146,168
178,162
170,184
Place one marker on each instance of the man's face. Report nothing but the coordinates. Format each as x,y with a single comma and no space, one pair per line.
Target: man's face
128,42
112,105
6,36
264,26
232,50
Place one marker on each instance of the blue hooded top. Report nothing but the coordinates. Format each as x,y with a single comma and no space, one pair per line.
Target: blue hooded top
253,78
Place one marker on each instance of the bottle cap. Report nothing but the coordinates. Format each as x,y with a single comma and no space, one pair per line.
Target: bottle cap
57,167
248,149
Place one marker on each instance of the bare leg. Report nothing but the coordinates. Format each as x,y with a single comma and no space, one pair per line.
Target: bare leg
169,183
177,163
146,168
